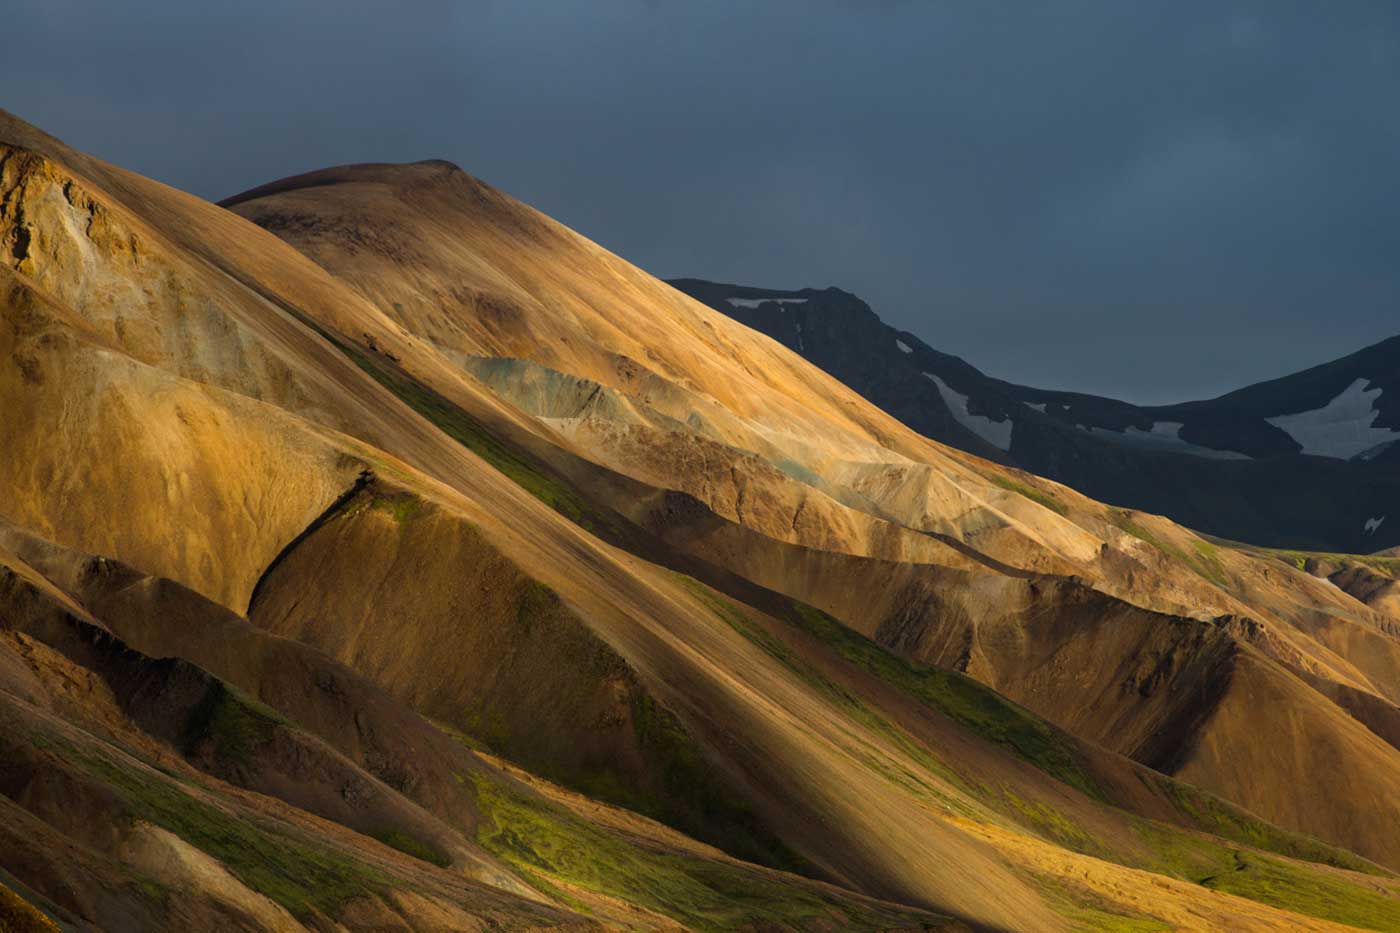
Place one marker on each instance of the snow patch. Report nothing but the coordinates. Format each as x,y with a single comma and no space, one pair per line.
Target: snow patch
1036,406
997,433
1341,428
1373,523
755,302
903,347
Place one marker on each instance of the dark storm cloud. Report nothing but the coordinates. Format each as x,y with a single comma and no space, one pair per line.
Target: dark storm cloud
1154,200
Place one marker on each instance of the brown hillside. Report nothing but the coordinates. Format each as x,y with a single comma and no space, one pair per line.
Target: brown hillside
454,573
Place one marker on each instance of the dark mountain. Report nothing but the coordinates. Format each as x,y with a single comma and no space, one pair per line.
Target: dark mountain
1306,461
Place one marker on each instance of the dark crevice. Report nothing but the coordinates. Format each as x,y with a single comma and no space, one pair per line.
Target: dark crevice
365,478
19,249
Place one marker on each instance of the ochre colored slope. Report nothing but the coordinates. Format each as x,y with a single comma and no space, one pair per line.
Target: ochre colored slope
475,281
332,488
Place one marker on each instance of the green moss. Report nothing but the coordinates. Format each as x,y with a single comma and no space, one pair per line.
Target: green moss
1207,561
235,724
675,783
1384,566
1049,823
545,842
974,706
271,862
402,506
977,708
690,797
470,433
1259,877
415,847
1316,894
1222,819
1204,558
1035,495
1182,854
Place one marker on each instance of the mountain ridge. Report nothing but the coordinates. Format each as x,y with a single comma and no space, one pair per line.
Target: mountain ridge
500,583
1263,473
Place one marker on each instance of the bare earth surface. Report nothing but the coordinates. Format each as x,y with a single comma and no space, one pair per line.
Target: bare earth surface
376,553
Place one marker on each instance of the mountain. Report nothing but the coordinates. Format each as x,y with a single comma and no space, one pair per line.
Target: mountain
1307,461
378,553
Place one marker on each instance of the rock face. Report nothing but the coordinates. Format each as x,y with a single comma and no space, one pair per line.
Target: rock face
377,553
1307,461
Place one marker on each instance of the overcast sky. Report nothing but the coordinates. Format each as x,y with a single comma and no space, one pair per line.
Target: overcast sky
1157,201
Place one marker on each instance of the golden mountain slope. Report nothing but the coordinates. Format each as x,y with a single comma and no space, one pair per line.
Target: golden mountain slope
467,482
625,372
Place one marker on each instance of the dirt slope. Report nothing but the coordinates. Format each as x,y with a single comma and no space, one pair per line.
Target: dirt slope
467,482
477,283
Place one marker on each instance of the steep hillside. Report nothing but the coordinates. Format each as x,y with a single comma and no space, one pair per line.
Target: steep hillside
1306,461
752,497
425,565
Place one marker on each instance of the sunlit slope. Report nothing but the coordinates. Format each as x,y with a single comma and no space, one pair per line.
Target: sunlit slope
640,612
633,607
434,565
799,485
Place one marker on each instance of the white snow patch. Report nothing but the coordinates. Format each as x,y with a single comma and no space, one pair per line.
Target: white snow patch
1342,427
1036,406
755,302
993,432
903,347
1373,523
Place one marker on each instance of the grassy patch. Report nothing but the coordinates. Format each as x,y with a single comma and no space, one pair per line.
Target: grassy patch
673,783
1208,561
1315,894
472,435
848,703
290,872
1035,495
545,842
1050,824
1219,818
1258,877
1204,558
468,432
410,845
402,506
690,797
234,723
1384,566
977,708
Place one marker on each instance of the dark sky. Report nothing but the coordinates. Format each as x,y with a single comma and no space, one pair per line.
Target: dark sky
1157,201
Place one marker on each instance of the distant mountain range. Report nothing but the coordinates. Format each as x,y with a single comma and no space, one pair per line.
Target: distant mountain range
1311,460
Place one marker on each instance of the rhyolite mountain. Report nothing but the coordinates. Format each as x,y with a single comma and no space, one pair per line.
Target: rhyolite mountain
377,553
1311,460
